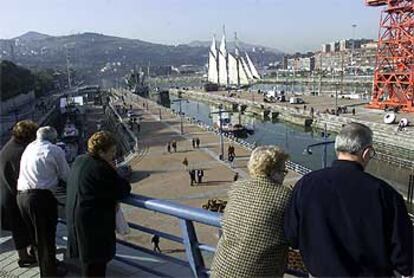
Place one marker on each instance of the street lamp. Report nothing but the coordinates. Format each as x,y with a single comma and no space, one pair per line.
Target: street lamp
325,144
220,113
180,100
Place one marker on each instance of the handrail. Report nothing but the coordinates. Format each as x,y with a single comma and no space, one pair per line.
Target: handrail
187,216
174,209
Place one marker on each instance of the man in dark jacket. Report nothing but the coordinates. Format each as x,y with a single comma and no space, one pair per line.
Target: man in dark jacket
346,222
23,133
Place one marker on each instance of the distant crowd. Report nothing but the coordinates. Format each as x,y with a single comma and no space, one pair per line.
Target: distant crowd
344,221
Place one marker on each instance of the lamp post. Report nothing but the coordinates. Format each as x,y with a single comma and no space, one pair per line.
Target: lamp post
325,144
220,113
180,100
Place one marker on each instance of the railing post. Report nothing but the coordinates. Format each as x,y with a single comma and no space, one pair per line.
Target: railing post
191,248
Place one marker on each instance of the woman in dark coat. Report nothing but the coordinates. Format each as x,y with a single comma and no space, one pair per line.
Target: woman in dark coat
23,133
94,189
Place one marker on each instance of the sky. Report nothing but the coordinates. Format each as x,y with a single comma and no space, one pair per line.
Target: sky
288,25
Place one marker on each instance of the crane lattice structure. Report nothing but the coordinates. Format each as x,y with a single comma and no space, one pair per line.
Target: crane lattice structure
394,70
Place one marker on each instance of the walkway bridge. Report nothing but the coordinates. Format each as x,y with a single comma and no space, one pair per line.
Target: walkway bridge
133,260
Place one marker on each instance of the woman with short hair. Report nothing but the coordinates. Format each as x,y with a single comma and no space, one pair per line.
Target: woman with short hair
252,243
23,133
94,189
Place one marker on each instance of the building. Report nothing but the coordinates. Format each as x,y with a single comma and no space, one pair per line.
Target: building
352,59
326,48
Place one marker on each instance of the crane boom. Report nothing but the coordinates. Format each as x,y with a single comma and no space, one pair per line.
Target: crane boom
376,3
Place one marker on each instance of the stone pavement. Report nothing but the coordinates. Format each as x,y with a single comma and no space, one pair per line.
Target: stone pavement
162,175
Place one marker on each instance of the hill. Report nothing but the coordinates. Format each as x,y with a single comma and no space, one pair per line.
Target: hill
243,46
97,55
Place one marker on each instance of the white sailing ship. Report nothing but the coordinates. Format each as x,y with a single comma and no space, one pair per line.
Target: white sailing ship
230,69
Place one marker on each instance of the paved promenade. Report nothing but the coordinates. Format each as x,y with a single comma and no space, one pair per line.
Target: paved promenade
157,173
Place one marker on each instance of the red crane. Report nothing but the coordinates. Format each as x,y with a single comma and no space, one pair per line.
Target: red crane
394,69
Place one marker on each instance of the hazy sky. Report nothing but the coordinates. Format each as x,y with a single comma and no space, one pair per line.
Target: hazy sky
290,25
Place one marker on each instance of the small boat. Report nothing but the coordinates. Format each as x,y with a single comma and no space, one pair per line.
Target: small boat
227,126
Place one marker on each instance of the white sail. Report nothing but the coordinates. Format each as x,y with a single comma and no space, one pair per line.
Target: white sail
243,77
233,70
222,60
252,67
213,74
246,68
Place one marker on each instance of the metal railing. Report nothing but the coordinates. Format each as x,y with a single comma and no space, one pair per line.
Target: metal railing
187,216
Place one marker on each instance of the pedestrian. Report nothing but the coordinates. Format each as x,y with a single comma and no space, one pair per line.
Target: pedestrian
156,241
42,165
185,162
236,177
174,145
198,142
353,111
169,147
200,175
23,133
94,190
194,143
231,160
253,243
192,176
346,222
230,151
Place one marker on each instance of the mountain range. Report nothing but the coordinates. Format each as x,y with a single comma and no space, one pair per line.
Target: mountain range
94,53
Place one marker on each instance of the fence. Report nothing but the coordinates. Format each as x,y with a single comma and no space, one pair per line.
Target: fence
187,216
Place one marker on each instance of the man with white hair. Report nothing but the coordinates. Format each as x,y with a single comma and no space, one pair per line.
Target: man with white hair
346,222
42,165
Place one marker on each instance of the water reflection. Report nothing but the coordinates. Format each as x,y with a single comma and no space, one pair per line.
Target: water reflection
293,139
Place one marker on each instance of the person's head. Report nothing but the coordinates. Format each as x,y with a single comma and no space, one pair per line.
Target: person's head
102,144
24,131
268,161
354,143
47,133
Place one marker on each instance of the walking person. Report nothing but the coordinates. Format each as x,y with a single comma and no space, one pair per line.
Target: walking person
23,133
230,152
185,162
174,145
231,160
192,174
194,143
346,222
200,175
198,142
156,241
42,166
169,147
236,177
253,243
94,191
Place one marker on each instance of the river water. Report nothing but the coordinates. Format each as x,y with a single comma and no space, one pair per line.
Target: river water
291,138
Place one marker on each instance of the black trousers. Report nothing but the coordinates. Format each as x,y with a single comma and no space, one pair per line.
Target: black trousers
39,211
16,226
97,269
